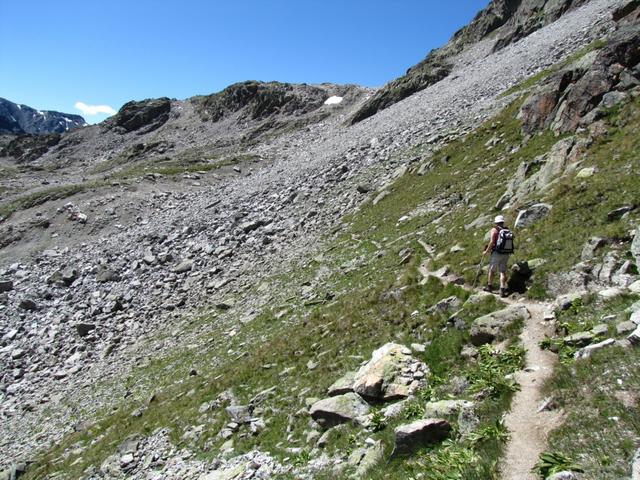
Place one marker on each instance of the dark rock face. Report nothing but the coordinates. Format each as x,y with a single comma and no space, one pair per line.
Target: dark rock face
260,100
420,433
568,96
145,116
537,109
20,119
27,148
512,19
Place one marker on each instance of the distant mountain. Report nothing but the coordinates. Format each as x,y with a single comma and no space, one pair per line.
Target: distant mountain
20,119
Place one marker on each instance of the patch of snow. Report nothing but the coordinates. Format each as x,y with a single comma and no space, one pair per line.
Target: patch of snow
333,100
19,106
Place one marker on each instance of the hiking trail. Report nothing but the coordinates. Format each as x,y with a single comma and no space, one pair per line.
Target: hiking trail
528,427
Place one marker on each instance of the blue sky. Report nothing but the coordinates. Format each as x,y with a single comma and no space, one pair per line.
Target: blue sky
54,54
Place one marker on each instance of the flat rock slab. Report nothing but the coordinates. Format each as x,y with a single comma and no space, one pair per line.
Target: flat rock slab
420,433
445,408
229,474
487,328
339,409
342,385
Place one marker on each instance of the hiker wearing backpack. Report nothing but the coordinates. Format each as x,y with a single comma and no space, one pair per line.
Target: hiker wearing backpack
500,247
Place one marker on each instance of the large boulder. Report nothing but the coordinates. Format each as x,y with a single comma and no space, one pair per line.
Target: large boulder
420,433
487,328
531,215
343,385
333,411
387,376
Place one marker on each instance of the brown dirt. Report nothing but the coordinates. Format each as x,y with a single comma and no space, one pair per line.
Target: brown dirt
528,427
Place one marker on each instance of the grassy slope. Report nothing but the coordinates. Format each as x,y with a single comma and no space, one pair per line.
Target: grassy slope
372,297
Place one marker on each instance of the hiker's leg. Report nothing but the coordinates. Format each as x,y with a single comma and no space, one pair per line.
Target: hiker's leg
503,280
490,276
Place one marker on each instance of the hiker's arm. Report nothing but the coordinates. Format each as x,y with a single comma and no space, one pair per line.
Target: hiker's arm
492,242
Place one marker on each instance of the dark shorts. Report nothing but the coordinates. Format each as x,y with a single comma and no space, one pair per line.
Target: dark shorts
498,261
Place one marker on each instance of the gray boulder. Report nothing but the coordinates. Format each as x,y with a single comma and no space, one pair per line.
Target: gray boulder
342,385
382,378
444,408
339,409
420,433
590,248
635,466
487,328
531,215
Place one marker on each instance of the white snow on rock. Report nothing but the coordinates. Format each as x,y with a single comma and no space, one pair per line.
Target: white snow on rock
333,100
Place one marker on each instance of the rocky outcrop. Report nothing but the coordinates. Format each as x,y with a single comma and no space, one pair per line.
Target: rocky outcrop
487,328
389,375
260,100
144,116
506,20
26,148
569,97
19,119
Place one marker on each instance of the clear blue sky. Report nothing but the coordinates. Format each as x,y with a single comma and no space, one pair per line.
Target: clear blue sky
55,53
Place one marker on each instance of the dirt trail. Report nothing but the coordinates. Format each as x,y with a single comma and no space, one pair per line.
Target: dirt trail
528,427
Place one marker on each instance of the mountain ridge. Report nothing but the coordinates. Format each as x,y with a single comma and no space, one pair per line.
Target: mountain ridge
16,119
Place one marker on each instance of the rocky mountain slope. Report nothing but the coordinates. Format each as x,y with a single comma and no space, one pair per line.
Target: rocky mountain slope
241,286
18,119
502,23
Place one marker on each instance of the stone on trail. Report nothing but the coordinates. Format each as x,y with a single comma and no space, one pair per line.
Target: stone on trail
635,467
487,328
420,433
339,409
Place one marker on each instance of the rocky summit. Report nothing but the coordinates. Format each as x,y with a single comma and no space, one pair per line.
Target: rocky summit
285,280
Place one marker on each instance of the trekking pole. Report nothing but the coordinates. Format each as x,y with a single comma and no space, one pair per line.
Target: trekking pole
479,272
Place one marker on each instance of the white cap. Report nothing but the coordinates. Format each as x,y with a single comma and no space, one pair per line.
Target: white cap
499,219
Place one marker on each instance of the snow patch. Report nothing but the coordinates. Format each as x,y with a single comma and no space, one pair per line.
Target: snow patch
333,100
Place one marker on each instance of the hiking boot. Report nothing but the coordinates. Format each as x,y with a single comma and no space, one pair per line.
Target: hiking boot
504,293
488,288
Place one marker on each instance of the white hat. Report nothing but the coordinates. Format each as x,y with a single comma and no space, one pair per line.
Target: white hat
499,219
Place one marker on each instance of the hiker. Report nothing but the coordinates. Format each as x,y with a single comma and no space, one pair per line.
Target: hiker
500,246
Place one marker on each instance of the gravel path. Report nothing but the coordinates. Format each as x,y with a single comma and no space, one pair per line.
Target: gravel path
529,428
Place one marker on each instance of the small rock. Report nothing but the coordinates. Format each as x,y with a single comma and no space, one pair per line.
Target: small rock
28,304
6,285
84,329
339,409
420,433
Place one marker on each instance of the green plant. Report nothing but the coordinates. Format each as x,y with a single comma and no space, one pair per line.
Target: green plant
554,462
493,374
378,421
413,411
495,431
